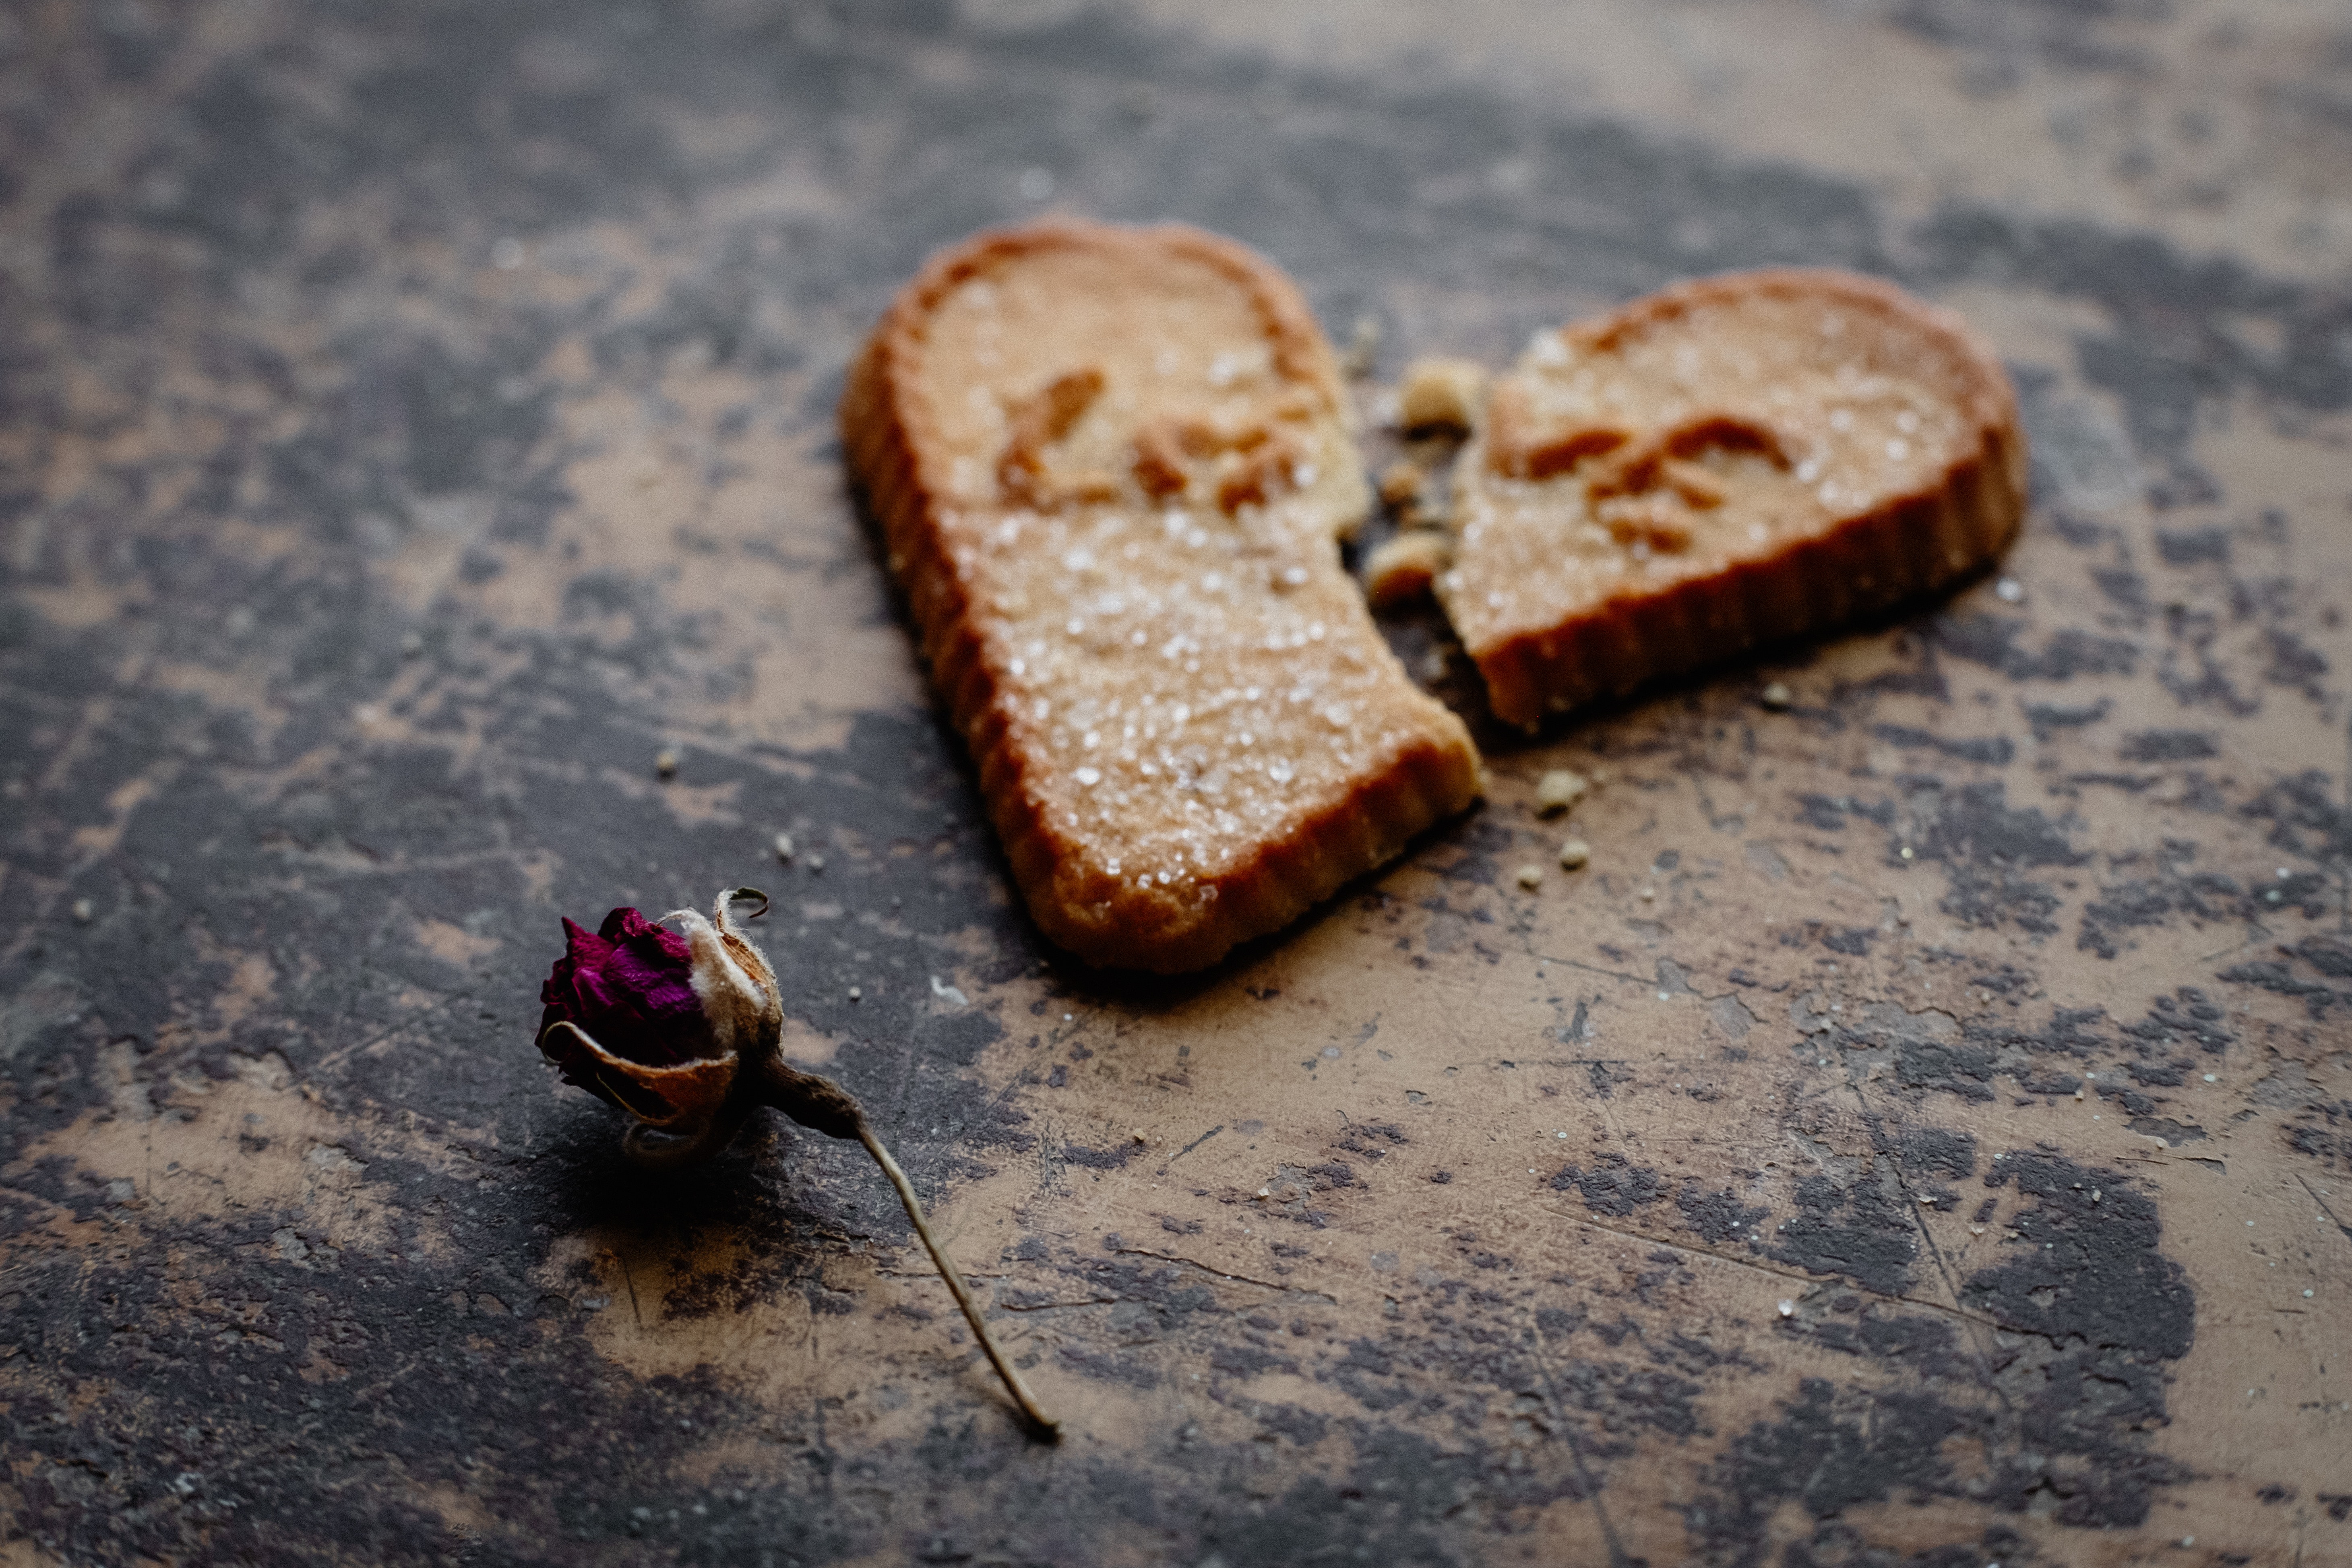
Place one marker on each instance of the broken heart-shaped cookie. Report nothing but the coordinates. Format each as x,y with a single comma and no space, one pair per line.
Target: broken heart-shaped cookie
1112,465
1726,463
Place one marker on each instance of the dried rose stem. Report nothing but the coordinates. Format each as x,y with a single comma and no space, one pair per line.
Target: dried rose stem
1046,1425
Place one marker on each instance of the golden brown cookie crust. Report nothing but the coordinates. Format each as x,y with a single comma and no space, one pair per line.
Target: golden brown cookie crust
1702,501
1110,465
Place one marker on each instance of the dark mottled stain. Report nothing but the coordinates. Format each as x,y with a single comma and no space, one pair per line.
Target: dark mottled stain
1391,1505
1829,1453
2125,589
1976,823
2293,663
2100,1312
1854,940
2048,719
1993,641
1985,842
2086,1276
2328,956
1993,751
1875,1330
2301,972
2305,816
1962,1069
1941,1149
1110,1159
1717,1216
2193,546
1612,1185
1857,1230
2122,905
1829,812
2170,746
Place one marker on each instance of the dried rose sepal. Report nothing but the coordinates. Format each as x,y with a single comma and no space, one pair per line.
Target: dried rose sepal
692,1076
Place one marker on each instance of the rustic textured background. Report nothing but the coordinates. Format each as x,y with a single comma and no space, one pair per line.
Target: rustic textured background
1923,1135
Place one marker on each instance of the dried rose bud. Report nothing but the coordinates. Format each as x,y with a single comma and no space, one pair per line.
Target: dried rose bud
624,1023
683,1032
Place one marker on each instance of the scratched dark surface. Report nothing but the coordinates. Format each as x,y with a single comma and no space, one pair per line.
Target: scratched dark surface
1922,1136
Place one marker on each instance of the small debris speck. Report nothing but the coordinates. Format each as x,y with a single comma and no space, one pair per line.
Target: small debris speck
1531,878
785,847
1787,1308
83,911
411,644
1648,894
1402,568
1401,482
1441,393
816,862
666,763
1558,791
1575,853
1139,1137
1778,696
856,994
2010,590
2210,1079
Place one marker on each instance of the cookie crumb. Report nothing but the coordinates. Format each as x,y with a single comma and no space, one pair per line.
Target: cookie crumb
1574,854
1440,394
1531,877
666,763
1402,481
1404,567
785,847
1558,791
1139,1137
1778,698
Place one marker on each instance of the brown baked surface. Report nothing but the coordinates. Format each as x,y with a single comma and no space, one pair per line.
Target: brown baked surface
1723,463
1111,465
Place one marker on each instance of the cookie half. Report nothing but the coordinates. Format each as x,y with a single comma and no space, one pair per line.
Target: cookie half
1729,462
1111,465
